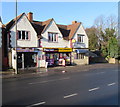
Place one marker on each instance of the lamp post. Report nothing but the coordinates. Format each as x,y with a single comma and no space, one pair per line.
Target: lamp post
16,69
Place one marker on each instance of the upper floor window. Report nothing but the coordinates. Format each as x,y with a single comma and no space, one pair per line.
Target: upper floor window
52,37
23,35
80,38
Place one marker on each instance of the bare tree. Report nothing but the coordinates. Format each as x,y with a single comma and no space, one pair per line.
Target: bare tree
99,23
111,22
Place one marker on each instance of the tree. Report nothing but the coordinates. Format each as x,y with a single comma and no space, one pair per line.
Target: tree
103,25
107,32
93,39
110,46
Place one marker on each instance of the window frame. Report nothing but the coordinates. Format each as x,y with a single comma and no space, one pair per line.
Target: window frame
26,34
81,36
53,38
80,56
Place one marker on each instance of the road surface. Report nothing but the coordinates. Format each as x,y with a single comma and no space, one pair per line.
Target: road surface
97,86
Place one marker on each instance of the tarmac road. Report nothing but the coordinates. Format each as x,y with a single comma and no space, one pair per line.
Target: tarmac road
95,86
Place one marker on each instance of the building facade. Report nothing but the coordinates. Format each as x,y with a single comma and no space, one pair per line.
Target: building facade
80,46
78,41
38,42
55,47
24,42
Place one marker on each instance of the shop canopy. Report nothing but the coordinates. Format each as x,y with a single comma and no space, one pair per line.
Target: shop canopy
87,52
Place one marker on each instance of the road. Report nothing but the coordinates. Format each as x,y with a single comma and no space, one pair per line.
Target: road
97,86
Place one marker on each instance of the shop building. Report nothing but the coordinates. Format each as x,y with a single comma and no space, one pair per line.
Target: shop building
38,42
78,41
22,45
55,56
55,48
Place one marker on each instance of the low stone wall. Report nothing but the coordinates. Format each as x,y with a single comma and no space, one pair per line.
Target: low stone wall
81,61
113,61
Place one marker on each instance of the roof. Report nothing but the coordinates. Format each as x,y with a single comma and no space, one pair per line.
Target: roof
1,24
46,24
12,22
0,21
67,31
73,28
40,27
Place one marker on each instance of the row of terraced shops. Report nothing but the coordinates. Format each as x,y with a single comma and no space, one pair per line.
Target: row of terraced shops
37,43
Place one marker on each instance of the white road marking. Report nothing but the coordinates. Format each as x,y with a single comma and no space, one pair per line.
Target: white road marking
91,74
71,95
93,89
100,73
111,84
37,104
49,81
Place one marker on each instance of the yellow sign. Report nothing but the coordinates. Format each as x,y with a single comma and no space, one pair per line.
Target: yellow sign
65,50
57,49
73,40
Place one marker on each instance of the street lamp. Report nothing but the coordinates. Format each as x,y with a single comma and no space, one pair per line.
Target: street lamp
16,69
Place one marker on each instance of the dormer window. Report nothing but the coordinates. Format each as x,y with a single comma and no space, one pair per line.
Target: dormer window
23,35
52,37
80,38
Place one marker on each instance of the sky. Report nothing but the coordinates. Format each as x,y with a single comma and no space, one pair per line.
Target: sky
62,12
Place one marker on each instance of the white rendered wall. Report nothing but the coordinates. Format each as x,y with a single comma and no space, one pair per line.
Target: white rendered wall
24,24
61,42
85,38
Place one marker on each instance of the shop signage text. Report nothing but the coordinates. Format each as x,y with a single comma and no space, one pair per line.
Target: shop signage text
25,49
57,49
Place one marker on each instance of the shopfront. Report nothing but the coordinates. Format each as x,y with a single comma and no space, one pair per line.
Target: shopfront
55,56
26,57
80,57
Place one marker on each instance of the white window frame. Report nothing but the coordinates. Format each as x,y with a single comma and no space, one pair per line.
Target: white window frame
21,32
53,37
82,38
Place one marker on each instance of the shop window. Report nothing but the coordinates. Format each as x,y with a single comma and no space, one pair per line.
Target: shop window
52,37
80,38
42,57
23,35
80,55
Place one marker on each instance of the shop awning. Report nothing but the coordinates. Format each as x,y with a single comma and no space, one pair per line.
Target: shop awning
87,52
90,54
81,51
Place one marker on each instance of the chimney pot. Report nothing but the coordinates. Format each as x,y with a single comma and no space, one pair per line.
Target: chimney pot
30,16
73,22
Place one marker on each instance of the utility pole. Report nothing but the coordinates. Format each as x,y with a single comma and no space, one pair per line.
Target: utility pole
16,69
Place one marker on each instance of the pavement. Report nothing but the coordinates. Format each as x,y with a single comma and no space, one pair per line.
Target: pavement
26,73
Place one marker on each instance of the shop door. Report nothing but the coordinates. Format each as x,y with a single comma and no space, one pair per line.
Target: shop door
19,60
30,59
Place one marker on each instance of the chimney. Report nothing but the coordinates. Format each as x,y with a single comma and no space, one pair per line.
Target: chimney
73,22
30,16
